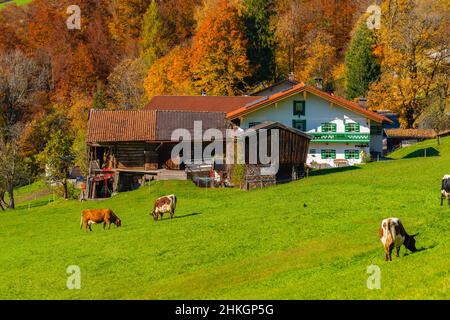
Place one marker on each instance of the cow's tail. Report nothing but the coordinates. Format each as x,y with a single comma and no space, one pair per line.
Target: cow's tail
81,220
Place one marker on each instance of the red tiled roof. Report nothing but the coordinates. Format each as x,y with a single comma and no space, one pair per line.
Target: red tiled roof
303,87
121,125
200,103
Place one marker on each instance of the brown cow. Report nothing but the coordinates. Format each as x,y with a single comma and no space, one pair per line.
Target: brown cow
164,204
94,216
393,234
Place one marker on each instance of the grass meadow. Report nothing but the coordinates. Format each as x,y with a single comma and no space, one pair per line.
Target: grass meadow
309,239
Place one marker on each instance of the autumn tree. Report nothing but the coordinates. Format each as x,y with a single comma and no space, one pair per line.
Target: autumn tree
219,54
126,85
126,19
320,58
153,39
12,168
361,65
414,38
170,75
20,80
57,159
436,115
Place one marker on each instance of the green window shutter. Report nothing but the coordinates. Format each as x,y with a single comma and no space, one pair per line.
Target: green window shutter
357,154
323,154
333,154
299,108
347,154
333,126
352,127
299,124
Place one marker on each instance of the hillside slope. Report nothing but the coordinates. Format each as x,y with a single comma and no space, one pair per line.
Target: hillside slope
263,244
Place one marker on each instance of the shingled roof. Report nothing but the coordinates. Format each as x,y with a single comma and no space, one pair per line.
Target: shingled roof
147,125
121,125
200,103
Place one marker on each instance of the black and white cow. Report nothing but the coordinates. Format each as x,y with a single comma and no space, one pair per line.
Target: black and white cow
445,189
393,234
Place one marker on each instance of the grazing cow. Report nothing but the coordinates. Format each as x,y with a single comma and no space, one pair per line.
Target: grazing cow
392,234
164,204
94,216
445,189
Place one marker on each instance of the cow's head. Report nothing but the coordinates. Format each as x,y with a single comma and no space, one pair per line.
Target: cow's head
410,242
155,215
118,222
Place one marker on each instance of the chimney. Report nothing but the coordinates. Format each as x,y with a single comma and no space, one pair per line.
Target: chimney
291,76
318,83
362,102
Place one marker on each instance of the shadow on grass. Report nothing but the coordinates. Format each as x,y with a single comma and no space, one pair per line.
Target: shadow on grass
187,215
321,172
167,217
420,249
429,152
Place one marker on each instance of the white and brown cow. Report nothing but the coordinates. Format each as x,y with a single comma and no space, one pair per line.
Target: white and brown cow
445,189
164,204
393,234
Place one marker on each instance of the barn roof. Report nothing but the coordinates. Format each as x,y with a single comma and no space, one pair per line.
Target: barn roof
121,125
200,103
410,133
147,125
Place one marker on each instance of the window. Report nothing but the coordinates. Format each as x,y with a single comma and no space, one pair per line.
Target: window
352,127
299,124
376,130
299,108
351,154
312,151
328,154
252,124
329,127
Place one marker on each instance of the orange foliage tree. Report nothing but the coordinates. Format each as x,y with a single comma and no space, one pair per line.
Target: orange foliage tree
219,54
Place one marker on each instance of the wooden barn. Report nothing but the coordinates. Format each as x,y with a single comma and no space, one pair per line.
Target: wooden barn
128,147
293,147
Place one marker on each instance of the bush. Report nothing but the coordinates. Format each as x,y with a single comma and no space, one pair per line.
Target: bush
238,174
72,192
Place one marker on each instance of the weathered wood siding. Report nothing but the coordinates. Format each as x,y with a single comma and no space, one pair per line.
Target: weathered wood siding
130,156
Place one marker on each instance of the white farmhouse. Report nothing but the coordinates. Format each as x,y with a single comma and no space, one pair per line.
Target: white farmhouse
344,132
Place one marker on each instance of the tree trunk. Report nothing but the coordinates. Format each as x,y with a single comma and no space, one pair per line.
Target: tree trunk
2,199
11,204
1,207
66,193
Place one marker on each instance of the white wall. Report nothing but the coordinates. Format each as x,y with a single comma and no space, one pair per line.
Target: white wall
340,153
